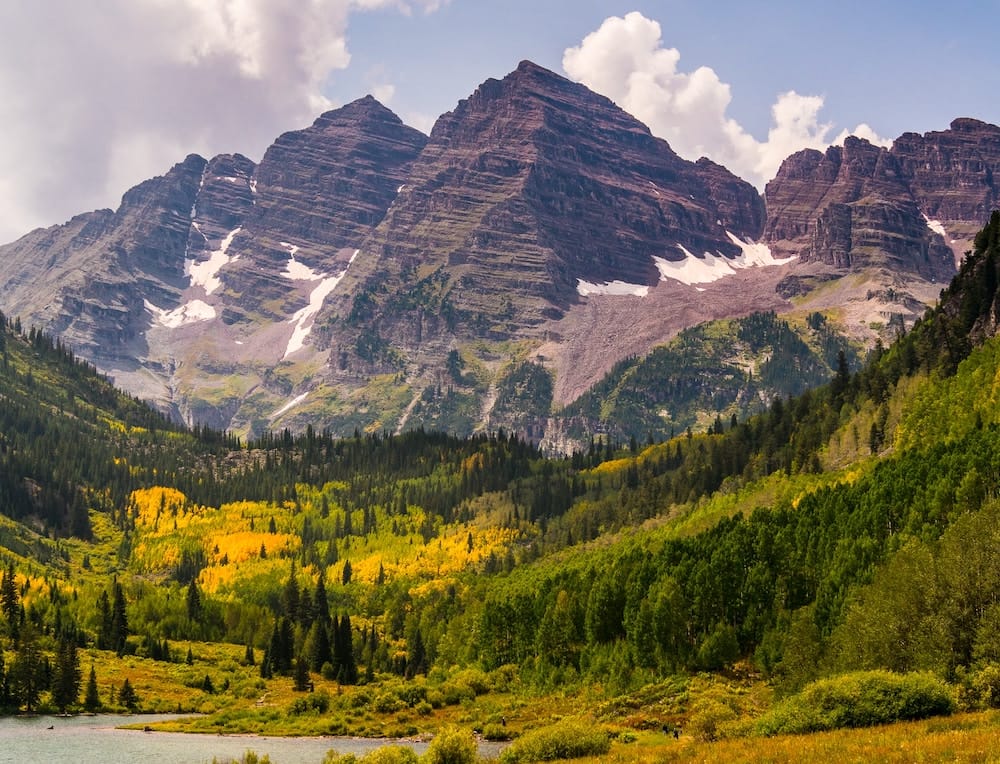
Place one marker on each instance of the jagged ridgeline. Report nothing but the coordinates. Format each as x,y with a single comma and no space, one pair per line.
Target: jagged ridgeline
791,539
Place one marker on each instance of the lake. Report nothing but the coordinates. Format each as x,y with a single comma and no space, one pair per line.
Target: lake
95,740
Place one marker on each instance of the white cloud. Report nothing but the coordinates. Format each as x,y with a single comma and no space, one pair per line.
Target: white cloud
625,60
99,97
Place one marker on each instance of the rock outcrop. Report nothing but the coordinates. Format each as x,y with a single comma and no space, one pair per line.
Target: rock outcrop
852,208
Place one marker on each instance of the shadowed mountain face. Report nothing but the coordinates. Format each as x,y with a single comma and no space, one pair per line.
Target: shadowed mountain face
363,275
529,186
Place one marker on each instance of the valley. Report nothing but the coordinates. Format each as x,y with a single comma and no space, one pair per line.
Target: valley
525,439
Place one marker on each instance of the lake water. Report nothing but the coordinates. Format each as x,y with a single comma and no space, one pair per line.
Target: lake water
96,740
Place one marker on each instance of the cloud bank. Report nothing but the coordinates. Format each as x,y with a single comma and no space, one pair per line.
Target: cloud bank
99,96
625,60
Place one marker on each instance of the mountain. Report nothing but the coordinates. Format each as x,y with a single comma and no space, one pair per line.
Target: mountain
365,276
201,282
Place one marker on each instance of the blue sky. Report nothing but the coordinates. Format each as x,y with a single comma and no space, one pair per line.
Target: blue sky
100,97
898,66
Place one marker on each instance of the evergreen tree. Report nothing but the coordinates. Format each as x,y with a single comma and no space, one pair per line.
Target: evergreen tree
320,651
119,621
127,696
193,601
104,623
27,672
10,601
321,605
346,577
301,675
348,668
66,680
290,595
91,700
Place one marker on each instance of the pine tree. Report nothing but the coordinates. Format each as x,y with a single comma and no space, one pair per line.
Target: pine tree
66,680
127,696
321,605
193,600
27,673
290,595
346,577
104,625
91,700
10,601
119,621
320,651
301,675
348,668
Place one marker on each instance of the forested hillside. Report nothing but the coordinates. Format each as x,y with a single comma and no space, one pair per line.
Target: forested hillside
851,527
734,367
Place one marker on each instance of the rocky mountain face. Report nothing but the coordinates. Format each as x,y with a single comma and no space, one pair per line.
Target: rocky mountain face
200,283
528,187
852,207
363,275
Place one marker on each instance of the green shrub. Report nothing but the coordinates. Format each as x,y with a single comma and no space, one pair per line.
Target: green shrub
332,757
435,698
390,754
451,746
387,702
359,698
707,719
423,708
454,693
565,740
496,733
474,679
411,694
250,757
981,688
860,699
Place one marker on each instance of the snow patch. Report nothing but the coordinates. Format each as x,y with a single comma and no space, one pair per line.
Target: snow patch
937,227
585,288
295,270
290,404
190,313
206,274
704,270
301,320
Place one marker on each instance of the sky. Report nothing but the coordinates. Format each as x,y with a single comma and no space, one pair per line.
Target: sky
98,96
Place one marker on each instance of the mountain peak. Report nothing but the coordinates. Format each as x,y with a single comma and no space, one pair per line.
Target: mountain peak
366,109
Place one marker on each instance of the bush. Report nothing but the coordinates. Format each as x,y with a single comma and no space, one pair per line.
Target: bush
390,754
451,746
565,740
496,733
860,699
423,708
387,702
474,679
454,693
332,757
708,718
981,688
250,757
